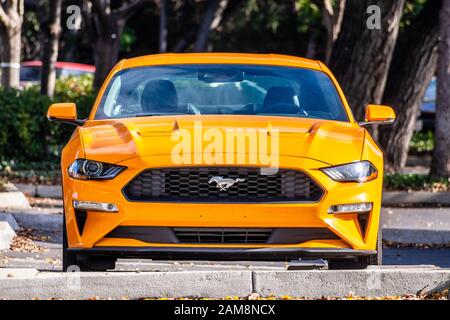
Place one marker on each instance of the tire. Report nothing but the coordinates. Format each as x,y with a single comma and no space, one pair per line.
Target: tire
359,263
377,259
95,263
80,262
68,259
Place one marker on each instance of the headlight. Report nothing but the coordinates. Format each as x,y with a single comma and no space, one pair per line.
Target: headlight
360,171
83,169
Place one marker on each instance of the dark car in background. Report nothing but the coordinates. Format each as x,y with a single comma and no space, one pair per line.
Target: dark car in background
428,108
30,71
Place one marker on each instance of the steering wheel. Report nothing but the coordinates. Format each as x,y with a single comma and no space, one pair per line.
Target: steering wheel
284,108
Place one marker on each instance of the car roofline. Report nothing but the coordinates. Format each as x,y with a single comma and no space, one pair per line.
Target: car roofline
221,58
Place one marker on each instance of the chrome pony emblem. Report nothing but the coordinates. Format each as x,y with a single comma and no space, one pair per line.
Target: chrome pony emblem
223,184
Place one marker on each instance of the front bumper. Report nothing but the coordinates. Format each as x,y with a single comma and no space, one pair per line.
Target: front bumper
224,254
222,215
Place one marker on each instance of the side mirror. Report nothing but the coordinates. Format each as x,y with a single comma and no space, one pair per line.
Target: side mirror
376,114
64,112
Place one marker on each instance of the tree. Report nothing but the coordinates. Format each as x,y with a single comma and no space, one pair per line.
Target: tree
216,12
11,18
362,56
52,30
213,16
412,68
332,17
162,26
441,153
106,24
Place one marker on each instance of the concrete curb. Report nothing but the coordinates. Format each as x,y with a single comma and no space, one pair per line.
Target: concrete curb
417,236
127,284
6,235
8,217
219,284
47,222
14,199
41,191
419,197
369,283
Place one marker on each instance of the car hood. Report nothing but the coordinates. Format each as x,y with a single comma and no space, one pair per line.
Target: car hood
113,141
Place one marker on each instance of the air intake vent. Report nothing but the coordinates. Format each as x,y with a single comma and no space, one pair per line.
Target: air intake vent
218,235
80,217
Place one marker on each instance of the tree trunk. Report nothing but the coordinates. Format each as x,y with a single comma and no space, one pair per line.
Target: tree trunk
361,56
50,53
11,42
106,25
107,49
184,42
11,15
163,26
441,154
211,19
226,10
412,68
332,20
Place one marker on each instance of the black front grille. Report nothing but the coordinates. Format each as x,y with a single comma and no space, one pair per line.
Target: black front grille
193,185
222,235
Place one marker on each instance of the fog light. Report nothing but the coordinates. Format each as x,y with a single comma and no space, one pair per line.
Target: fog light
351,208
95,206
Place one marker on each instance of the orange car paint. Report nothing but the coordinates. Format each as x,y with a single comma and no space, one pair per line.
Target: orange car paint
305,144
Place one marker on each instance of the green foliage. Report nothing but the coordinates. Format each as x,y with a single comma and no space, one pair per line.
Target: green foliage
23,134
27,139
128,39
422,142
31,35
411,11
416,182
269,26
79,90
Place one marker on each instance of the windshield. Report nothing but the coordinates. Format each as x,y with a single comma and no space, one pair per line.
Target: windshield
221,89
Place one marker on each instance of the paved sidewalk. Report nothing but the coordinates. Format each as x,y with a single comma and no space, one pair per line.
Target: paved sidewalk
376,282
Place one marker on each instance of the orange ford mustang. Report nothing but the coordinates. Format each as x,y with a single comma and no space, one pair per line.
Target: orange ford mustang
221,156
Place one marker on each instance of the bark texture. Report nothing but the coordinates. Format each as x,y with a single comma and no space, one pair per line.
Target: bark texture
332,17
106,24
213,16
50,52
441,153
11,18
361,56
413,66
162,26
216,13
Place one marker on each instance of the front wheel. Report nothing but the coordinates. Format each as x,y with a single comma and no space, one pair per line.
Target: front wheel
377,259
360,262
68,258
348,264
95,263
